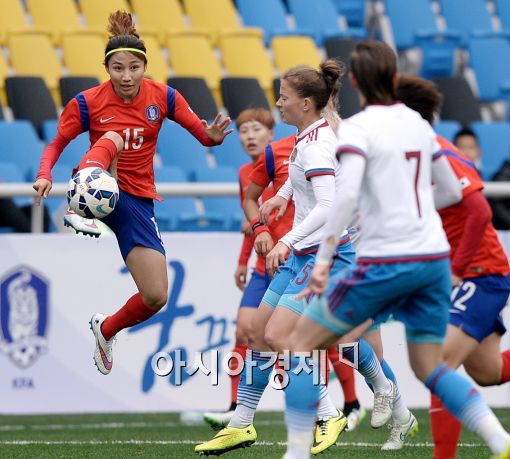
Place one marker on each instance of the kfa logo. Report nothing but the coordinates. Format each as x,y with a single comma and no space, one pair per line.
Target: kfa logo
152,112
23,316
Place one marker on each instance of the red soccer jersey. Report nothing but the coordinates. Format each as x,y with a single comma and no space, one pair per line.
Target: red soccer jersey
244,180
272,168
489,257
99,110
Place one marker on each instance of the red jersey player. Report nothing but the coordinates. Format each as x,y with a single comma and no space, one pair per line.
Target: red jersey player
123,117
480,276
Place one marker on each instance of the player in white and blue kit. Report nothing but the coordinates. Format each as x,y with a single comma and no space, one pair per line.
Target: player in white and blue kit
389,158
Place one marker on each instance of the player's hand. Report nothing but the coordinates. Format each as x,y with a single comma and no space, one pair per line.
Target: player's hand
276,257
240,277
217,131
318,282
456,280
246,229
43,187
266,209
263,243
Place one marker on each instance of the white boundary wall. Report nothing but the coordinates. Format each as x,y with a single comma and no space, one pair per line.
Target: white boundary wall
67,278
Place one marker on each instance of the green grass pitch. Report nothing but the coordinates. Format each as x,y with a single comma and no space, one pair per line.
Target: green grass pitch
150,435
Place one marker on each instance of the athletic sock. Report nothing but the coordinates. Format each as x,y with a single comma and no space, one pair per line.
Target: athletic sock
326,408
460,397
101,155
233,366
254,379
400,413
345,374
132,313
505,369
445,430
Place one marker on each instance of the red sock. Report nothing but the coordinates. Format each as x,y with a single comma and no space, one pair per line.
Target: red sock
345,375
132,313
101,154
234,380
505,370
445,430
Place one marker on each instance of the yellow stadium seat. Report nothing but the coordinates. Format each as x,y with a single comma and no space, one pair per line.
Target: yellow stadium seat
289,51
12,18
55,15
157,67
218,17
96,12
4,73
163,16
32,54
193,56
247,57
84,54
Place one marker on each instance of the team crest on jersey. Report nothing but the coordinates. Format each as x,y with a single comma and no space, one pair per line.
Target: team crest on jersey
23,316
152,112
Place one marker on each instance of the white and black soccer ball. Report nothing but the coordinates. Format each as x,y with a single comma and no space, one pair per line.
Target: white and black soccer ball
92,193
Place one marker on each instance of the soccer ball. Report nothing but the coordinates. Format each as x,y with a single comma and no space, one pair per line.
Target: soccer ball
92,193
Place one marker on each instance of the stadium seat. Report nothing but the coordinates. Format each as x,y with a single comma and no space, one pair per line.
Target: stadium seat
227,209
96,12
70,86
177,213
242,93
193,56
220,174
494,139
12,19
289,51
25,93
11,173
282,130
340,48
230,152
157,67
171,174
57,16
459,101
353,11
447,128
21,146
162,16
198,95
468,20
245,56
178,147
269,15
218,18
4,72
321,17
43,63
83,52
503,12
490,59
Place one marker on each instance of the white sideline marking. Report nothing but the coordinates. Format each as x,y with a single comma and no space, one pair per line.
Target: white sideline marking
194,442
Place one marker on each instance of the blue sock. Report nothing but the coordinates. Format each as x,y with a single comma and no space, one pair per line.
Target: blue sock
458,395
388,372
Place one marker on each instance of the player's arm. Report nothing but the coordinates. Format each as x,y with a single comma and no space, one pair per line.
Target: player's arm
207,134
280,202
447,189
263,241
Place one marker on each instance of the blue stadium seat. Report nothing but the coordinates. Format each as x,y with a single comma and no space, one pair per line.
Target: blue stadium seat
171,174
230,152
503,11
174,212
282,130
74,151
21,145
490,59
228,209
352,10
321,17
468,18
178,147
60,173
270,16
11,173
218,174
494,139
447,128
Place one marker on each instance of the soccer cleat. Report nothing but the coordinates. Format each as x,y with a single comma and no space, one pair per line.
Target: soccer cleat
355,418
383,407
399,434
218,419
86,226
505,454
228,439
103,354
327,432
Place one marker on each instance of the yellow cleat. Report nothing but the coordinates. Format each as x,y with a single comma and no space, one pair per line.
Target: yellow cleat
228,439
505,454
327,432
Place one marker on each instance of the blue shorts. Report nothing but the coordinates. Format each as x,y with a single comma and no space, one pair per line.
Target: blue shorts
295,274
254,291
134,223
477,304
416,293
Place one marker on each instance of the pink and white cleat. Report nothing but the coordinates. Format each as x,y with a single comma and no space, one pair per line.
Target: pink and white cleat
103,354
87,226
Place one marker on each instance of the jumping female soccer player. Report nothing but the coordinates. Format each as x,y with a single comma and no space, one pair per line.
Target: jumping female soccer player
123,117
